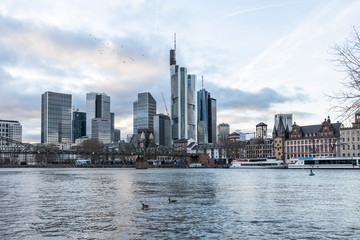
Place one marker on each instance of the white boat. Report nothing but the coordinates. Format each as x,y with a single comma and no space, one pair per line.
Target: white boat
195,165
326,162
257,163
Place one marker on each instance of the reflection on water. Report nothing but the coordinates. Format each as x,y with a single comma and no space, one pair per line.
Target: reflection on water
211,203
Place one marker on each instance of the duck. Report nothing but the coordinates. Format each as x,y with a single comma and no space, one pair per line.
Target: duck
172,201
145,206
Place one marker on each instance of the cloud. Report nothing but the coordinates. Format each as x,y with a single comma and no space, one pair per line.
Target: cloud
235,13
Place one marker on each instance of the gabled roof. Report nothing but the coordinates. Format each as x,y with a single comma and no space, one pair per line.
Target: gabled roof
316,128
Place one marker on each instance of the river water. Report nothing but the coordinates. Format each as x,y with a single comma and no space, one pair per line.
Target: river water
73,203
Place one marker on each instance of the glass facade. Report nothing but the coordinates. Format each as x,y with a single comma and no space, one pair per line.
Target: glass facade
98,106
206,115
223,132
101,129
183,113
162,130
144,112
55,118
78,125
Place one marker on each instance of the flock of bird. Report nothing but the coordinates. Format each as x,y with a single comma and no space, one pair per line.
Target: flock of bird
108,45
146,206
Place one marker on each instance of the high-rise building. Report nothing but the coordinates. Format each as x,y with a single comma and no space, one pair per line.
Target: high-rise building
11,129
144,112
162,130
206,117
117,135
183,115
98,107
78,125
101,129
112,126
223,132
55,117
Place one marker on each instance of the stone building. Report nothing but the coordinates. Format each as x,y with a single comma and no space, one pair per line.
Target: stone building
320,140
350,139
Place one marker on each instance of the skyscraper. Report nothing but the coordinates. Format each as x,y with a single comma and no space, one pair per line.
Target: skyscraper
144,112
98,107
55,117
223,132
10,129
78,125
183,115
206,116
162,130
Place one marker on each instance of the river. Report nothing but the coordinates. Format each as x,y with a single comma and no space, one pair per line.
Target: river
76,203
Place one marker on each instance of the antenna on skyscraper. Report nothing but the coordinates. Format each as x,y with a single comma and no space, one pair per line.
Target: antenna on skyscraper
202,82
175,41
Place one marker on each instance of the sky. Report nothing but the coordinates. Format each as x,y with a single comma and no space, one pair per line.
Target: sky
257,58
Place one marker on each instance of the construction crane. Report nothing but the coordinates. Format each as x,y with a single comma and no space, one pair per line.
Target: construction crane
165,104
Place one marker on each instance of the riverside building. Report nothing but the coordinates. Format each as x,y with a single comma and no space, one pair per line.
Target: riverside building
144,111
320,140
98,113
206,117
55,117
183,113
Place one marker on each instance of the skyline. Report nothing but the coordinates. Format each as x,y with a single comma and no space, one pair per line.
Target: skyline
269,58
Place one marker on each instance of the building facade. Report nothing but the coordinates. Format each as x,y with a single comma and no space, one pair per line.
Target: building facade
280,134
98,107
320,140
223,132
350,139
162,130
78,125
144,110
183,113
206,117
11,129
55,117
259,148
261,130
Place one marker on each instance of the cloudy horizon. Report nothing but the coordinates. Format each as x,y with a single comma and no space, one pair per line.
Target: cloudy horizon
257,58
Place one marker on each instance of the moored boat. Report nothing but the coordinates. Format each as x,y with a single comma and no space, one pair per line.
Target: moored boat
257,163
325,163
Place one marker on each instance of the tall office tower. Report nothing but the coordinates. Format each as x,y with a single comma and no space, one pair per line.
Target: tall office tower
183,115
55,117
144,112
78,125
117,135
206,117
112,126
223,132
162,130
11,129
98,107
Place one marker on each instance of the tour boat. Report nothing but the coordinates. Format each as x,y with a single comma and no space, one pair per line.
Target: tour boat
326,163
257,163
195,165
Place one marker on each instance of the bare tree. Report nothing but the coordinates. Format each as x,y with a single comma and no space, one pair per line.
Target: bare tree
346,58
91,148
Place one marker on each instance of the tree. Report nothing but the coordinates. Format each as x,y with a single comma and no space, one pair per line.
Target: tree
346,58
91,149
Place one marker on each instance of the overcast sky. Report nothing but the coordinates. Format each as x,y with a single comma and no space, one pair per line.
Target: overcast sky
258,58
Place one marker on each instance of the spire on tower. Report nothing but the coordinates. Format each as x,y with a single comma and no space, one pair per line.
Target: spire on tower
202,82
175,41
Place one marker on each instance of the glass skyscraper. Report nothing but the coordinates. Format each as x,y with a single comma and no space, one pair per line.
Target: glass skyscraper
78,125
144,112
98,107
206,117
55,117
183,115
162,130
